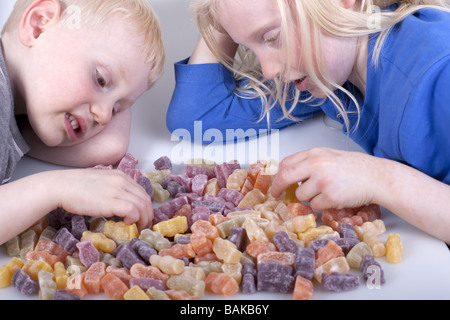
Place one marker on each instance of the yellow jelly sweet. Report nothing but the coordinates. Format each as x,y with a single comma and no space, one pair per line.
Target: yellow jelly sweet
120,231
100,241
60,275
135,293
394,248
33,267
172,227
7,271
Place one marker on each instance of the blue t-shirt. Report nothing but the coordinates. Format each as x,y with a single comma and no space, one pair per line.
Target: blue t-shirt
404,114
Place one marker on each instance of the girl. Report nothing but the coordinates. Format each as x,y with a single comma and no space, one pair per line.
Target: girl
381,68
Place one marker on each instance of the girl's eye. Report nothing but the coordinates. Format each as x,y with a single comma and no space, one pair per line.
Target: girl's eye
100,80
271,39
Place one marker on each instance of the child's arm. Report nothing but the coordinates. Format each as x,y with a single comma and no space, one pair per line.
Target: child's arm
206,91
88,192
340,179
107,148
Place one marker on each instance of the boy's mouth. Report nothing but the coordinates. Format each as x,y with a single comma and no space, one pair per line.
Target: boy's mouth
75,127
301,84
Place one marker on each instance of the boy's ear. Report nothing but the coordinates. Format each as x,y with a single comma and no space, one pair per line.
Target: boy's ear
40,16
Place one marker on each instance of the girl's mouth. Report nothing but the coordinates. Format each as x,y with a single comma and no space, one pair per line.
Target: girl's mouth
301,84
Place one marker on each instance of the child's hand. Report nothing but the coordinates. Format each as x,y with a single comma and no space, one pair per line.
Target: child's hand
329,178
105,193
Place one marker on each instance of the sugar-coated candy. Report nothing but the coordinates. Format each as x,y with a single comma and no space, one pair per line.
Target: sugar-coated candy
63,295
145,183
100,241
231,195
170,228
371,268
300,224
238,236
330,251
24,283
156,294
303,289
157,176
375,243
312,234
305,263
78,226
113,287
248,284
201,244
75,284
13,246
120,231
141,271
163,163
146,283
282,258
33,267
60,275
234,270
375,227
346,230
226,251
128,257
167,264
135,293
144,249
88,254
334,265
179,251
186,283
340,282
28,241
47,286
275,277
224,227
356,254
394,248
160,194
284,243
66,240
155,239
252,198
221,283
199,183
93,276
206,228
7,271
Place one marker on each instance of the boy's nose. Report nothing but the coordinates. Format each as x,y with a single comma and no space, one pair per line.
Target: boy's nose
101,114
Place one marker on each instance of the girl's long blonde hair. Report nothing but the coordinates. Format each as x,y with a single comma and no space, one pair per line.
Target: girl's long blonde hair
313,18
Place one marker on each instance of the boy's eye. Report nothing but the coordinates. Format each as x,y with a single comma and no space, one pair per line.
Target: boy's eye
100,80
271,38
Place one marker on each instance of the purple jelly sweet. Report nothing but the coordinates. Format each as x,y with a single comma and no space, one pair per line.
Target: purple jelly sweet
275,277
231,195
340,282
346,231
66,240
345,243
163,163
198,213
145,183
144,249
198,183
88,254
238,236
183,240
370,268
23,283
146,283
174,188
181,179
167,210
248,285
128,257
284,243
222,172
192,171
249,267
214,206
128,162
64,295
305,262
78,226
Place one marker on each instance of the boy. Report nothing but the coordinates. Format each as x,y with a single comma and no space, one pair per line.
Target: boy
74,68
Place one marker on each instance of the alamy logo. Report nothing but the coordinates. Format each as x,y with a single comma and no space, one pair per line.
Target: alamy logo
208,144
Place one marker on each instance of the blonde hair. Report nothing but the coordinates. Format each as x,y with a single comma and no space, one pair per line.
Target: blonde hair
137,14
313,18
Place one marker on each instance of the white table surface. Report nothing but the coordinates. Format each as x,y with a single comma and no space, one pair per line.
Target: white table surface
423,273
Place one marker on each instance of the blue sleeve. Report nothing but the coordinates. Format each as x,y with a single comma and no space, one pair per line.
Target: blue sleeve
204,101
424,136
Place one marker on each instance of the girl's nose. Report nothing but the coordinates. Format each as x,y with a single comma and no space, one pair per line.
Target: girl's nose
101,114
270,69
